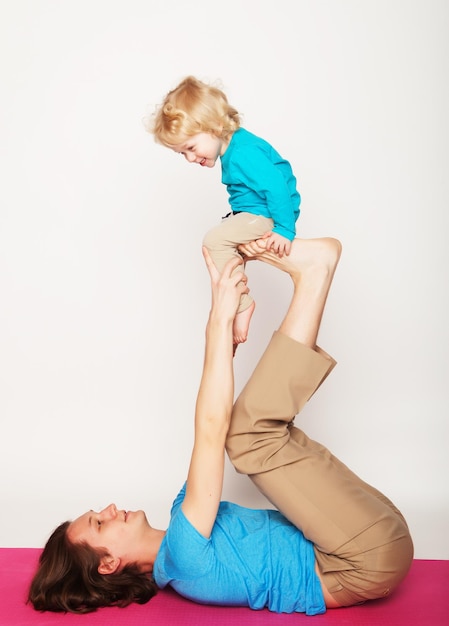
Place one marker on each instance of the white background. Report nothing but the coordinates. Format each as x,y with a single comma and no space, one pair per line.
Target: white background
103,292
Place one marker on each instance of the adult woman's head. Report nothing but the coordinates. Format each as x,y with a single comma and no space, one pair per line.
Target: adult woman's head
191,108
89,563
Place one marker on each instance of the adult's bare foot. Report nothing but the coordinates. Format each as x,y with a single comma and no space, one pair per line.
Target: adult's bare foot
311,265
321,254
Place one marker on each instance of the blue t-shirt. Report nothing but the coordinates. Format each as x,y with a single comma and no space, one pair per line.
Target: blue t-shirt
260,181
254,558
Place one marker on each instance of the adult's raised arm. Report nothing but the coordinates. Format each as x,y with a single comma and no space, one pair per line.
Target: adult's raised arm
215,399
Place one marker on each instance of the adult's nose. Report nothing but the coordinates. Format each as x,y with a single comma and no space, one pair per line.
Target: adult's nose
110,512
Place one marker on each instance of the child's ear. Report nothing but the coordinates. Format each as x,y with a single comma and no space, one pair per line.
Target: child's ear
108,565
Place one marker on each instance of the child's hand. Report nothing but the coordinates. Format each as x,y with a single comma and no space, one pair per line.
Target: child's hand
279,244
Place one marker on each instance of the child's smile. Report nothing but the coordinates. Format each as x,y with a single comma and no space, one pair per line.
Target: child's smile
203,149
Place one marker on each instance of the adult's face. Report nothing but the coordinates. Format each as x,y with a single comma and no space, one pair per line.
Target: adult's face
122,533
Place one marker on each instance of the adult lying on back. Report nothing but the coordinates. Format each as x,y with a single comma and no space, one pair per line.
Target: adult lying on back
333,540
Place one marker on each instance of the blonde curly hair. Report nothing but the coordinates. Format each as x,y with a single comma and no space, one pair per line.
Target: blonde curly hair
193,107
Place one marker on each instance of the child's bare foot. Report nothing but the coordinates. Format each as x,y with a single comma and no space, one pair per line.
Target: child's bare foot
241,325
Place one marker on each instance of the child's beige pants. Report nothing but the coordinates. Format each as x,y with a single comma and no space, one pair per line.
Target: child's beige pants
223,239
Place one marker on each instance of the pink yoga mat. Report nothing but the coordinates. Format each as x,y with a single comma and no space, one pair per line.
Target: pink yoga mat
420,601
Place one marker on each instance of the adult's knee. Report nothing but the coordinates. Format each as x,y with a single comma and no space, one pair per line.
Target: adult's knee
255,452
244,452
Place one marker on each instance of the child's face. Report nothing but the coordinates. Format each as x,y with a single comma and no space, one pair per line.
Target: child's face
203,149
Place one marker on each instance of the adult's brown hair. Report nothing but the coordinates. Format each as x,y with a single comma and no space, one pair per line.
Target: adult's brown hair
67,579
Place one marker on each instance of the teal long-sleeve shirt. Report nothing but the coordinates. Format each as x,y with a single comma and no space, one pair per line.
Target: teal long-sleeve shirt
260,181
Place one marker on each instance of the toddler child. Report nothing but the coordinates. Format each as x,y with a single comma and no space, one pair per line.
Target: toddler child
196,120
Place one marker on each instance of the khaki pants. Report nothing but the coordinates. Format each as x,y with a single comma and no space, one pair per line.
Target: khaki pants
362,543
222,241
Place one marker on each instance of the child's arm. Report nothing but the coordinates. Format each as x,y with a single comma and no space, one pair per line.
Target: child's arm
267,184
